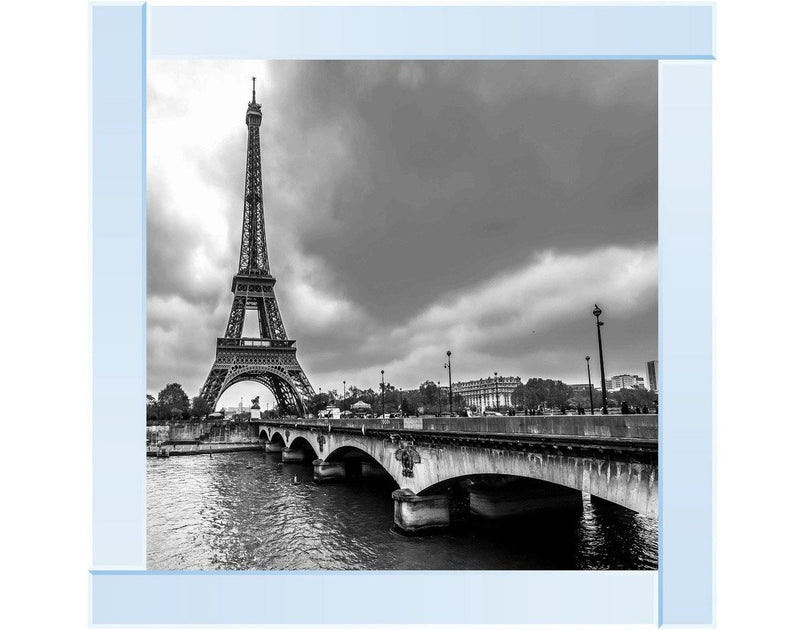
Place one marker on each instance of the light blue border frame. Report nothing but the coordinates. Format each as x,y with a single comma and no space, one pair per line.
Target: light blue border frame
122,591
685,347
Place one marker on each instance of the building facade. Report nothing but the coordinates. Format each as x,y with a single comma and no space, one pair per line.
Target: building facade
627,381
485,392
653,375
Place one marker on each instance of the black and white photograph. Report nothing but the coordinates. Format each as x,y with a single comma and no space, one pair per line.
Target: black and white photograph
402,315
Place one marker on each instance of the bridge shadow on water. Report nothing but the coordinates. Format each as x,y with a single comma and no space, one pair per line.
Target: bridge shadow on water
248,511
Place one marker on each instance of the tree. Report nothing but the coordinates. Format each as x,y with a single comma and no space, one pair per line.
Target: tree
405,408
581,398
392,400
200,408
318,403
151,408
173,401
429,395
538,392
633,397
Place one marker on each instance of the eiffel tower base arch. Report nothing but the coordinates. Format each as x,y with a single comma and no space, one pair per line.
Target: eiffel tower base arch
280,374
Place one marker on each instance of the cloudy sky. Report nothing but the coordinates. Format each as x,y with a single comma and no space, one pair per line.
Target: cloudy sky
411,208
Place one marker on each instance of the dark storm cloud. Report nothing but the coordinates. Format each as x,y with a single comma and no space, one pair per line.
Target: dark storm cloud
502,156
398,190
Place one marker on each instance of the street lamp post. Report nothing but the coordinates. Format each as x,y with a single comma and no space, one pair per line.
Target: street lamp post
496,393
382,389
589,375
597,313
439,398
344,395
448,365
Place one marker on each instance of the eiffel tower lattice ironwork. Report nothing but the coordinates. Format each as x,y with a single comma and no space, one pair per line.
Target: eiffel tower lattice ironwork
269,359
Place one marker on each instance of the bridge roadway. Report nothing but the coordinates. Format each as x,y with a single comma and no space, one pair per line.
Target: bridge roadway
612,457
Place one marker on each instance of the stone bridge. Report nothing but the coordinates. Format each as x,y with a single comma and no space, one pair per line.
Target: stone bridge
613,457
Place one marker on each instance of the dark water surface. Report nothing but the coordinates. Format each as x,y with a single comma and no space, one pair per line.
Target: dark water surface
243,511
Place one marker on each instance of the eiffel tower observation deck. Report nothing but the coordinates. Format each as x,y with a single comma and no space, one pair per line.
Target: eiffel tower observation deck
269,359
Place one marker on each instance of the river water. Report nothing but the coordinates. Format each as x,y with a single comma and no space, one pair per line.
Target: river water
244,511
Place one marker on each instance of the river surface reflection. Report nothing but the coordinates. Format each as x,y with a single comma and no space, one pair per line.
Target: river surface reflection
244,511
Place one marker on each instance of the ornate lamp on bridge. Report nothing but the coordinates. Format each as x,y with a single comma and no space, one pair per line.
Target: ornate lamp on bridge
448,365
496,393
439,398
597,313
344,395
589,375
382,390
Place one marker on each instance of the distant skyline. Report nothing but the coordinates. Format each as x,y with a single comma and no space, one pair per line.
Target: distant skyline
411,208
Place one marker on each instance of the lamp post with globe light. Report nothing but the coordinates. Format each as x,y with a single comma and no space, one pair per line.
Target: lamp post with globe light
448,365
382,390
597,313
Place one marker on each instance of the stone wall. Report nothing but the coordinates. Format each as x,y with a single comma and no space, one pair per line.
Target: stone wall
233,432
182,431
157,433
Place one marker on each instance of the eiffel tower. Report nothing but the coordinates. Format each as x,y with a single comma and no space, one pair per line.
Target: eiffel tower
269,359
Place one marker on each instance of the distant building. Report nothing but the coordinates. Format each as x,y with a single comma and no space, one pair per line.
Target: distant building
653,375
483,393
332,411
626,381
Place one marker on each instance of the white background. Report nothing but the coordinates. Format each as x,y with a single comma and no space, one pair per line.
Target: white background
44,356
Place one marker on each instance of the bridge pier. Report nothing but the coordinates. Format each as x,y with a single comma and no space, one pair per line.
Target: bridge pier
271,447
292,456
414,514
496,503
328,471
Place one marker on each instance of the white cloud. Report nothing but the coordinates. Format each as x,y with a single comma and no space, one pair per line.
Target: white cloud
551,292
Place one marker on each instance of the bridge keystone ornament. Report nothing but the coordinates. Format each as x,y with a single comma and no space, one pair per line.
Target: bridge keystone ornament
408,456
269,359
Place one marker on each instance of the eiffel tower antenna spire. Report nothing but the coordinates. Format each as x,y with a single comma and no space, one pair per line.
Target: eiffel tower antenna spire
269,359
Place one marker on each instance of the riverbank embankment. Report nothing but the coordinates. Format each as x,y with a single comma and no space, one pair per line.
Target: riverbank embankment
201,438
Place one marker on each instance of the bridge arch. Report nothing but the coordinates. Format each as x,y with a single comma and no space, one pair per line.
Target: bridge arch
360,463
629,484
301,443
348,452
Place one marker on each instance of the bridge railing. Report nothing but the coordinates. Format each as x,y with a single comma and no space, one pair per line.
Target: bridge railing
631,426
